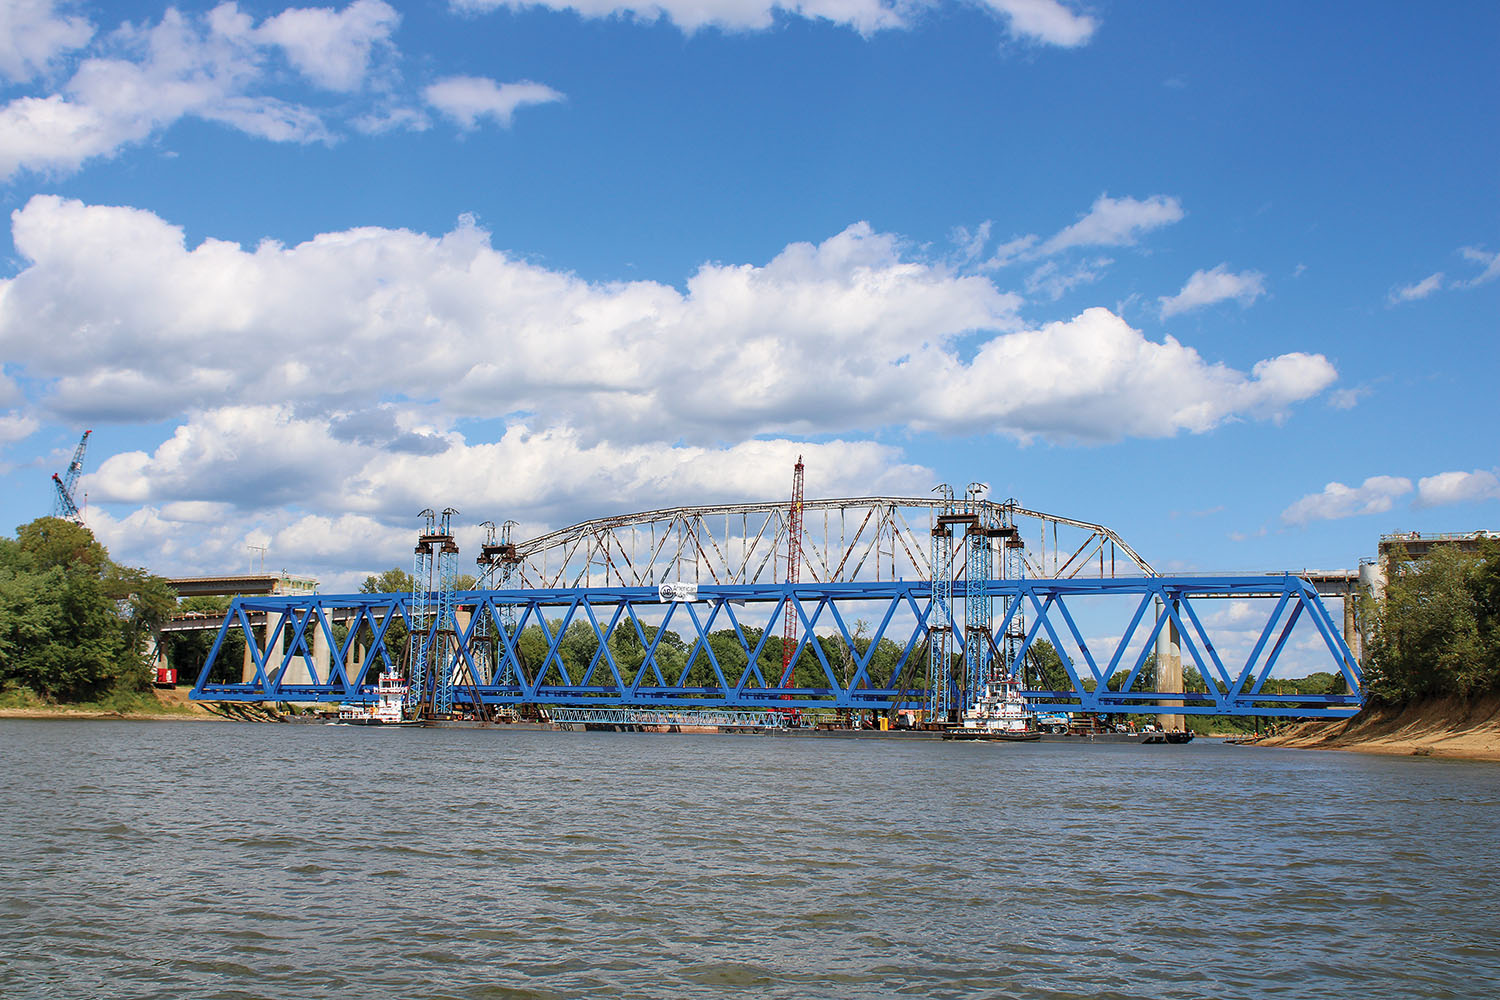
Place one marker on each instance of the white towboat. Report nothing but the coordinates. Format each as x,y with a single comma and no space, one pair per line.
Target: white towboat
997,714
388,710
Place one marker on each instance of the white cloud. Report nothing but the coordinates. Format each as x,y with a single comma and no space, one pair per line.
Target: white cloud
1116,222
333,48
1053,281
1051,22
1348,399
1458,487
466,99
120,319
1489,270
16,426
33,34
1205,288
1420,290
1046,21
327,505
180,67
1490,262
864,16
217,66
1375,495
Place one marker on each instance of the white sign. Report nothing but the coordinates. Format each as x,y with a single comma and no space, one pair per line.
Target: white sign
679,592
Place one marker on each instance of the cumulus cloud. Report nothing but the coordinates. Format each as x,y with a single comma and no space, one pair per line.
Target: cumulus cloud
467,99
1375,495
120,318
380,347
1049,22
240,462
1115,222
1205,288
218,67
1458,487
331,47
15,426
33,33
179,67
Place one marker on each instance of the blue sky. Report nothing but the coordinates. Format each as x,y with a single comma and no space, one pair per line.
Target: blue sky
1225,279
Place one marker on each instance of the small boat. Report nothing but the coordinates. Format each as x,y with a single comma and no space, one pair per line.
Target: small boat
388,710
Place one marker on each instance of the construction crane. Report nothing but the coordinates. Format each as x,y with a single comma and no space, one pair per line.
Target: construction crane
793,563
63,504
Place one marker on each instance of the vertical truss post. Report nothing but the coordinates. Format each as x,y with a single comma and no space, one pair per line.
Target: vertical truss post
793,565
940,618
418,632
479,631
445,647
1012,567
979,605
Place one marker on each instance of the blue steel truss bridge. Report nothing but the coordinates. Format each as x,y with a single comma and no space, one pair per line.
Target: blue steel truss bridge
903,604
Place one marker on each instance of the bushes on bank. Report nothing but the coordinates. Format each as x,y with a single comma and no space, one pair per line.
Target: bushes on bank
1437,631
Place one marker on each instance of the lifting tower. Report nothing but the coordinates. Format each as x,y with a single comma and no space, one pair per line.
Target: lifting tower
793,566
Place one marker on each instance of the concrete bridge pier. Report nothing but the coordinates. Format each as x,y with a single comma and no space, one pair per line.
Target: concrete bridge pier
1169,667
271,647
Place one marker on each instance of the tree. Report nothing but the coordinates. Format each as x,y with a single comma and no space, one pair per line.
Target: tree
73,624
1433,633
393,581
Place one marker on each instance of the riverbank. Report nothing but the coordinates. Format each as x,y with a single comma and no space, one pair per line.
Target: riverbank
167,704
1443,727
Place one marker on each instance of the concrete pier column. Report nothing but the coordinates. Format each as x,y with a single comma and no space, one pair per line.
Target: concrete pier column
322,656
272,647
247,670
1351,623
1169,668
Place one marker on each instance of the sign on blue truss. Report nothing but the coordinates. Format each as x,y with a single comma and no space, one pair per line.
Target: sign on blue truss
861,646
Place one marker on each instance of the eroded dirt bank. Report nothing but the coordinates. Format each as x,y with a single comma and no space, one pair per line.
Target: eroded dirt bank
1445,727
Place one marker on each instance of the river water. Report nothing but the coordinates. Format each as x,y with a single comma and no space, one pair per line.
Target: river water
240,860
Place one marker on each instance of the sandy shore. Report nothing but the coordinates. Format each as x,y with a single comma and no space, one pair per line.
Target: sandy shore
1438,728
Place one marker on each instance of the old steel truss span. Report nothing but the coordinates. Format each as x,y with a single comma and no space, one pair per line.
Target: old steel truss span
861,646
843,539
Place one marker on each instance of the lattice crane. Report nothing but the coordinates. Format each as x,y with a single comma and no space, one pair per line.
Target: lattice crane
793,565
63,504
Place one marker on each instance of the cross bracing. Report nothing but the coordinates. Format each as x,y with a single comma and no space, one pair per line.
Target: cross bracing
843,539
861,645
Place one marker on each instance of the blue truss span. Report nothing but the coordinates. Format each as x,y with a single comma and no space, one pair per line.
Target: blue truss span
861,646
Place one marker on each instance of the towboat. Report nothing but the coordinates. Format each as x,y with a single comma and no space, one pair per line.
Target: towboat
388,710
997,714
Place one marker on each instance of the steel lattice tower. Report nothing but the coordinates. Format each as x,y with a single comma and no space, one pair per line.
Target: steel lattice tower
793,566
445,646
509,560
979,607
940,616
479,633
418,628
1012,567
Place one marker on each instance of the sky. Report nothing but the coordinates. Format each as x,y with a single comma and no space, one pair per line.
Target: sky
1225,278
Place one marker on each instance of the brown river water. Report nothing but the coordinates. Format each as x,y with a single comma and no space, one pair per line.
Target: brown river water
239,860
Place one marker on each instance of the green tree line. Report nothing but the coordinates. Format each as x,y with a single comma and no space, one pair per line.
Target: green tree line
74,625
